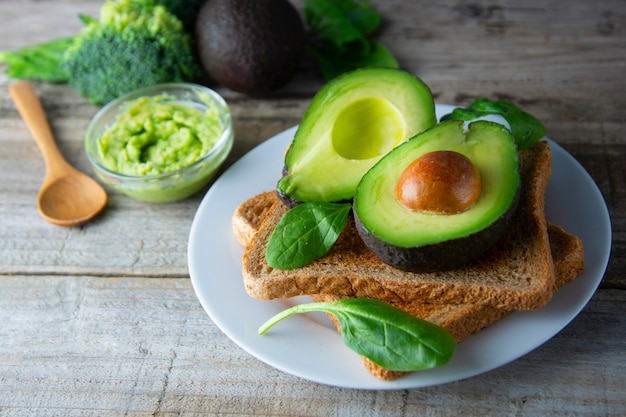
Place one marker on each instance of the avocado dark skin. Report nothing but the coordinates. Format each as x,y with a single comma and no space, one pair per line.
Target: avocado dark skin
250,46
442,256
286,199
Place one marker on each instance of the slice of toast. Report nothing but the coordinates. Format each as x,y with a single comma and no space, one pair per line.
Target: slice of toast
517,273
461,320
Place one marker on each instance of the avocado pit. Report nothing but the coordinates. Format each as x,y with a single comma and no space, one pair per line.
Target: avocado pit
439,182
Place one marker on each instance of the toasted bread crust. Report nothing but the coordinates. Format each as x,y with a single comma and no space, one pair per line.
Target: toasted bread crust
568,254
517,273
249,215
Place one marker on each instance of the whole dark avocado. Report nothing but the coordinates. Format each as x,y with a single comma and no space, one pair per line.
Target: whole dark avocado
250,46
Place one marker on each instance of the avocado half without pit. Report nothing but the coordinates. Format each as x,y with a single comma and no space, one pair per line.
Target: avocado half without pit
442,198
351,123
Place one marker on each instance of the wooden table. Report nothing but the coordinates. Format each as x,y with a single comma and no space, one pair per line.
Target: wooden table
103,320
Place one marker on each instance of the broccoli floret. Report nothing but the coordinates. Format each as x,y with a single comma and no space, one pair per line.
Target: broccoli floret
135,43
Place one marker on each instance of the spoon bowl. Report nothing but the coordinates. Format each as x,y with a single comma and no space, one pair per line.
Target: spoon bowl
77,207
67,196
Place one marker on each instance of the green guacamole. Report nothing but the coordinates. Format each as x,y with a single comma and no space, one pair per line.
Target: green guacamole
156,135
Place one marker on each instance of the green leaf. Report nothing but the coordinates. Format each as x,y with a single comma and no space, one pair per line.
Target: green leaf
41,62
382,333
525,128
340,30
360,14
334,31
380,56
86,19
332,66
306,233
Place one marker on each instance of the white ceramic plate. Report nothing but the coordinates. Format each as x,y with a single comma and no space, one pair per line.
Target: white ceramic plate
308,345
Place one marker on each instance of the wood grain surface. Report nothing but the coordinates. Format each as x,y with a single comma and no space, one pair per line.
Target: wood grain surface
101,320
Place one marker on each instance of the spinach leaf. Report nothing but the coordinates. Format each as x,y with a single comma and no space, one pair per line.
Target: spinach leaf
340,29
333,29
331,65
305,233
525,128
384,334
361,14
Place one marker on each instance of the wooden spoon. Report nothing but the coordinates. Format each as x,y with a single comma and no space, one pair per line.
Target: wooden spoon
67,196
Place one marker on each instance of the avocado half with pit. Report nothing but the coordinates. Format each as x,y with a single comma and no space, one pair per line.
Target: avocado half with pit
351,123
442,198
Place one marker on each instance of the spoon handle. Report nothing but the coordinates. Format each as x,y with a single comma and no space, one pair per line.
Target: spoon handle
31,110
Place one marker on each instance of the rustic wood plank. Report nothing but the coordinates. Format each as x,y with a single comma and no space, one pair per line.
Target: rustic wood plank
136,346
531,53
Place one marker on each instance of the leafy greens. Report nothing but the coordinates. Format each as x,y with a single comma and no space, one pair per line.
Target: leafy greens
305,233
382,333
40,62
525,128
340,31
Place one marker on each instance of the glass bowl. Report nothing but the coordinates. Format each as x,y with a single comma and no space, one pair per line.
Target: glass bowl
167,184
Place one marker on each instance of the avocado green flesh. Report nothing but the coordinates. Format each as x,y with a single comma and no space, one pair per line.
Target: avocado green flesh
493,152
350,125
